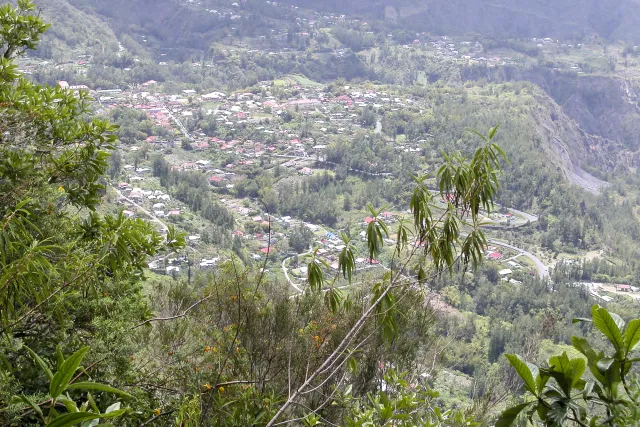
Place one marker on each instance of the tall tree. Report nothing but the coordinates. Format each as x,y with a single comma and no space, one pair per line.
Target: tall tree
62,264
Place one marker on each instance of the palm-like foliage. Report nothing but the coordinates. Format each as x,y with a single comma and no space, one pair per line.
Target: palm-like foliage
440,239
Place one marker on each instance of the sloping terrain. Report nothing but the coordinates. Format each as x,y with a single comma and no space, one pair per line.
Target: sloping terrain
611,19
73,30
178,28
570,148
602,106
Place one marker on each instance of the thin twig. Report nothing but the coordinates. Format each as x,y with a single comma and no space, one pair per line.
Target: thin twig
178,316
155,417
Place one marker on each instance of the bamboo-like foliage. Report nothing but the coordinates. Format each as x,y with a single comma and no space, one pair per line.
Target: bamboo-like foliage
445,236
437,240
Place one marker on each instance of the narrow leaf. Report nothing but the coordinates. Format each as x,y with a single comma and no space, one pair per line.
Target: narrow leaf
71,419
98,387
65,372
31,404
492,131
43,365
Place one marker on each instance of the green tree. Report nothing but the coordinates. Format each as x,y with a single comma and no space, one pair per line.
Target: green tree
430,246
300,238
64,267
563,393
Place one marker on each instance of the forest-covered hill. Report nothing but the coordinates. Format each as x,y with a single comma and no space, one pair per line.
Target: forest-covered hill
181,24
610,19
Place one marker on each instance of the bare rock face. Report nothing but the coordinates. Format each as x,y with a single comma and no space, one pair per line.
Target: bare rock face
590,122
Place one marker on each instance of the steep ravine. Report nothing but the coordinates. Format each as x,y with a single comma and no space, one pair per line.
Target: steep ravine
594,120
570,148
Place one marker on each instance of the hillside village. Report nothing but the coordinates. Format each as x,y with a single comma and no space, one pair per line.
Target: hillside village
250,130
285,124
225,162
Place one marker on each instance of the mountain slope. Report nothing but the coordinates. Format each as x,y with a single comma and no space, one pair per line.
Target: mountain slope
74,29
610,19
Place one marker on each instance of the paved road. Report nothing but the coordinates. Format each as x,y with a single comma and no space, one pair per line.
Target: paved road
177,122
529,217
286,273
543,270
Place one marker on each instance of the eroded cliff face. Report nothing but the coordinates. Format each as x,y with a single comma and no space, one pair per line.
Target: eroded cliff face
585,159
597,117
607,106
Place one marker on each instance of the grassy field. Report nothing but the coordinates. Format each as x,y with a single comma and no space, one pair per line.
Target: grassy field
304,81
296,79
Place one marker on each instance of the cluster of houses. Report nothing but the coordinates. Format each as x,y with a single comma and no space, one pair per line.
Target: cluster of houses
157,201
261,111
493,254
596,291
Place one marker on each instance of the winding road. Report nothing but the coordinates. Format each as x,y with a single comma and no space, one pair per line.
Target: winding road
529,217
543,270
286,272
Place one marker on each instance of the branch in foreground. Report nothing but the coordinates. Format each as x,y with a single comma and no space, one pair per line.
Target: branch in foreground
178,316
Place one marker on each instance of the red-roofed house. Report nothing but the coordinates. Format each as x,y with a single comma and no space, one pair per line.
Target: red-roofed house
201,145
495,255
344,99
215,180
368,220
